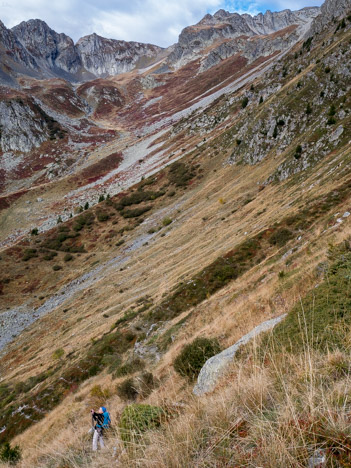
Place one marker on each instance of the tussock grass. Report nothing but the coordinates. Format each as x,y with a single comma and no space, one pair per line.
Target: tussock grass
273,414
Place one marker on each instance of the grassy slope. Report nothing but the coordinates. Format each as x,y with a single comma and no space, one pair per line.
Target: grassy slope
224,209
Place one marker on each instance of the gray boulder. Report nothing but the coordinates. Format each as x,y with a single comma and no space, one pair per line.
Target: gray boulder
215,367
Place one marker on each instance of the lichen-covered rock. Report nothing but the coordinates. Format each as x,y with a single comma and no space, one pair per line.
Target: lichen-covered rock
21,130
215,367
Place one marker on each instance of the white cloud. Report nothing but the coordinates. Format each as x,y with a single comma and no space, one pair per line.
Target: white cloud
155,21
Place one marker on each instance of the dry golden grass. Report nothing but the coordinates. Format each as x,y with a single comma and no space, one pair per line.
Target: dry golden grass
272,414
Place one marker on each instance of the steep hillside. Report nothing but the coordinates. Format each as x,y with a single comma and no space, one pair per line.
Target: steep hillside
222,202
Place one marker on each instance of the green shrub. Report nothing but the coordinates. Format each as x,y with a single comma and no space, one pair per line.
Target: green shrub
130,367
127,390
57,267
68,257
85,219
137,418
101,394
58,353
331,121
34,232
194,355
138,197
280,237
102,216
120,242
166,221
101,198
28,254
179,174
9,454
136,212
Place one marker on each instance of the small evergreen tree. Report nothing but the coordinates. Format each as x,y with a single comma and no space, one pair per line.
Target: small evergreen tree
244,102
86,206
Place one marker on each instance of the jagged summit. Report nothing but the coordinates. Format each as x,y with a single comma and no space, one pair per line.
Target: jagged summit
224,26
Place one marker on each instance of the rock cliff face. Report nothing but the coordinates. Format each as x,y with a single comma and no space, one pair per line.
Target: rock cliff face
21,129
224,25
251,49
331,9
50,49
103,57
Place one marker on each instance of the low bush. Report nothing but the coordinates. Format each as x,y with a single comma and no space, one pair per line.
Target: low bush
166,221
138,197
137,418
130,367
28,254
194,355
102,216
136,212
57,267
49,256
58,353
281,237
100,394
179,174
11,455
68,257
85,219
127,390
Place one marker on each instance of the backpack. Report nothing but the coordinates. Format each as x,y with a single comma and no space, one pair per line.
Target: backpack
107,420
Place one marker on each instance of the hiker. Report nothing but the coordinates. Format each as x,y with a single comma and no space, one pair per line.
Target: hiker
102,421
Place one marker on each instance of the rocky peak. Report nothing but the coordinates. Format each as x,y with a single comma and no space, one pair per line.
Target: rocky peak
13,47
53,50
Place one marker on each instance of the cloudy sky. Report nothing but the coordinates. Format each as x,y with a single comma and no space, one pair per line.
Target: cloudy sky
155,21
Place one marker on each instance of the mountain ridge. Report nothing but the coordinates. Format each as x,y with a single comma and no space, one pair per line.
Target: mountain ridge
94,56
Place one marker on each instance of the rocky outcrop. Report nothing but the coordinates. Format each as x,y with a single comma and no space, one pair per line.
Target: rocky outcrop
251,49
224,25
21,129
104,57
215,367
330,10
